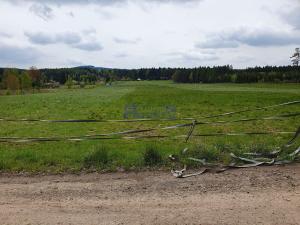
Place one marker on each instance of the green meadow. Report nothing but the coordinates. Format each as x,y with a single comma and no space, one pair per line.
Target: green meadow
150,98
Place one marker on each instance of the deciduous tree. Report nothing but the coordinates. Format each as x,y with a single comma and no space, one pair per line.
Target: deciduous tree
35,76
25,81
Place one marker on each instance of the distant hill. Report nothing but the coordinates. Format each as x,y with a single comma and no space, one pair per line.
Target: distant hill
92,67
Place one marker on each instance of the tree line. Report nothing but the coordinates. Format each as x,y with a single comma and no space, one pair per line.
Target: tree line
21,80
226,74
217,74
17,79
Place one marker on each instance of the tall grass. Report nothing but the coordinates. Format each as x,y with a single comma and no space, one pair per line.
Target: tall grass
99,158
152,156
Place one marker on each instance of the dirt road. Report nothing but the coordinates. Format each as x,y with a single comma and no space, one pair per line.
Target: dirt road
268,195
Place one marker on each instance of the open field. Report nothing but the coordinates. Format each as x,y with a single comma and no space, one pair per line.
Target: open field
103,102
264,195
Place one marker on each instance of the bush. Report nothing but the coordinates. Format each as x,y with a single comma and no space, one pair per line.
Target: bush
99,158
152,156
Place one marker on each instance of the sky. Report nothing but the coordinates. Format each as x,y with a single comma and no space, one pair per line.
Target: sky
148,33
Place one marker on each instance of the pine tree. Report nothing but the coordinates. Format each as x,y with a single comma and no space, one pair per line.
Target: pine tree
176,76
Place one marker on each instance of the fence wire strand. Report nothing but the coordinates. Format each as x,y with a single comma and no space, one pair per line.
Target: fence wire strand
121,134
149,119
94,138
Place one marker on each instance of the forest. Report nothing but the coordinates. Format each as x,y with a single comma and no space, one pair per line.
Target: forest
20,79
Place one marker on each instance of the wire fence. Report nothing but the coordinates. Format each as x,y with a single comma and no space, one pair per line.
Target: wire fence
83,138
122,134
149,119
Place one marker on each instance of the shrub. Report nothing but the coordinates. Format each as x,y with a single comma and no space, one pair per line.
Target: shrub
99,158
152,156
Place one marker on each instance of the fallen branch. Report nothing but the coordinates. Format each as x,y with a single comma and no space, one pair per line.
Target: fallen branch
218,168
273,154
180,173
202,161
244,159
295,153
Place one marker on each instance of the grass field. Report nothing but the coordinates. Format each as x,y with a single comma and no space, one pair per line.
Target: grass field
101,102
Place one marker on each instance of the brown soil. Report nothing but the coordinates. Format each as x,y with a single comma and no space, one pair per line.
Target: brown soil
265,195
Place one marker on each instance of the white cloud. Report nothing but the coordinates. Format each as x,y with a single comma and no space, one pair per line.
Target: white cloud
88,46
292,16
191,56
45,38
253,37
43,11
5,34
71,39
127,41
104,2
139,33
121,55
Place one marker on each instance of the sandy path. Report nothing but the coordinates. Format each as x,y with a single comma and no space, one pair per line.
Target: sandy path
269,195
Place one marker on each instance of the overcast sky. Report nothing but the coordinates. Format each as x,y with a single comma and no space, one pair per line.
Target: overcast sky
148,33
